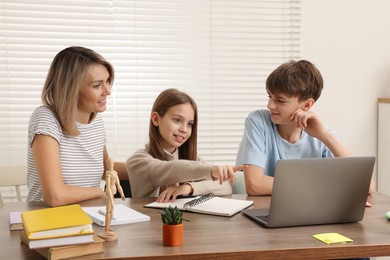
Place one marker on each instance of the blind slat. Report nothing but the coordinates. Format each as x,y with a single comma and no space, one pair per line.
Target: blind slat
220,52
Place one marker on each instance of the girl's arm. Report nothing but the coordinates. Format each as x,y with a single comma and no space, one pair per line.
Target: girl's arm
195,188
55,191
147,173
207,186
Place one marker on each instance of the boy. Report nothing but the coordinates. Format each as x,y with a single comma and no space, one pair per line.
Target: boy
288,129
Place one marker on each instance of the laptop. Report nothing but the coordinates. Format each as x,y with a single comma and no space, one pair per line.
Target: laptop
317,191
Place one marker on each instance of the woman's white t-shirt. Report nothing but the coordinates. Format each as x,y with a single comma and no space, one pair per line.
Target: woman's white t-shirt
81,156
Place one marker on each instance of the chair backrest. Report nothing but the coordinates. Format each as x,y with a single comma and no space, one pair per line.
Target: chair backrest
239,184
13,175
125,184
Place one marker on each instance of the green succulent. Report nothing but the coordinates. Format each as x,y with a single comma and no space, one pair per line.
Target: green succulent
172,216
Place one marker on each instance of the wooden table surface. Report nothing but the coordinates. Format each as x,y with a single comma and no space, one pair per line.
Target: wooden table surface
215,237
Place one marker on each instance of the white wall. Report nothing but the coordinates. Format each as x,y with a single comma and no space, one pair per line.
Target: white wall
349,41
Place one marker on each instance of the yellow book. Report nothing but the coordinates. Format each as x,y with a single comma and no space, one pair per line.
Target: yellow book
56,222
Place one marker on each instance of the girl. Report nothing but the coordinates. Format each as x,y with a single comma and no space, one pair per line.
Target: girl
169,165
66,136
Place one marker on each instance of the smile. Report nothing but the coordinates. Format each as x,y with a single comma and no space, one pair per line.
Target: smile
179,138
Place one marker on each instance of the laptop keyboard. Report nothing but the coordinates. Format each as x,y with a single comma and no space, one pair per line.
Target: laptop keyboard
263,217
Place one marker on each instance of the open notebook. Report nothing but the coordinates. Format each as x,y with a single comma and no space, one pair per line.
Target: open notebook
122,215
206,204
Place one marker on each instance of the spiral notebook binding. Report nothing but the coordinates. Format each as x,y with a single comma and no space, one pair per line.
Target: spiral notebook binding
199,200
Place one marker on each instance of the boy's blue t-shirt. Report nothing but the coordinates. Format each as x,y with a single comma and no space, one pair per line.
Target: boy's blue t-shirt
261,145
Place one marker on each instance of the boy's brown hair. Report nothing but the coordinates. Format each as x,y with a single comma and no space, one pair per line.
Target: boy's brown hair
299,79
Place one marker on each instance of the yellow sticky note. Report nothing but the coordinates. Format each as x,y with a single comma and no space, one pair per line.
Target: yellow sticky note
332,238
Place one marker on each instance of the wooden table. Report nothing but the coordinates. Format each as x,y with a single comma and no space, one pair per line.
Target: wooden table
214,237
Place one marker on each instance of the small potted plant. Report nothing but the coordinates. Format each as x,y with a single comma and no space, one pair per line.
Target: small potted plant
172,219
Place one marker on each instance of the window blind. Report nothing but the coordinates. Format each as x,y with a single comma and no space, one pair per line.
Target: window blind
218,51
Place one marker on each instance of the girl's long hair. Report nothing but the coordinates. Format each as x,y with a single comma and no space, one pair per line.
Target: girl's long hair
167,99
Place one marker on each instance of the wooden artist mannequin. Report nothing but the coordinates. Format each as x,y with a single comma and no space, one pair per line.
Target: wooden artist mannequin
112,185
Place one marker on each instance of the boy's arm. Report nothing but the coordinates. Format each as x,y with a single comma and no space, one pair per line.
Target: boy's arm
310,122
313,126
339,150
256,182
334,145
372,187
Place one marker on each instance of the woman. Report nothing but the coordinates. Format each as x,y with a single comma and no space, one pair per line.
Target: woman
66,135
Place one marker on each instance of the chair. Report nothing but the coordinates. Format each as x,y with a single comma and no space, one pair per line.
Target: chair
239,184
125,184
13,175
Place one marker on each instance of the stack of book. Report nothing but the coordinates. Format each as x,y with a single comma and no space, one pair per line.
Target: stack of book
60,232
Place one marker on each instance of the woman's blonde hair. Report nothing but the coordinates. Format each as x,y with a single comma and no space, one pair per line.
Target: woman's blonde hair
167,99
66,74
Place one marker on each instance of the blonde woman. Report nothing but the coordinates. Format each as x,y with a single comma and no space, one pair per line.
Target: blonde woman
66,135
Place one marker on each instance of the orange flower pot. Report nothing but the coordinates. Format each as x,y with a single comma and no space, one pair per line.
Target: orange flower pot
173,235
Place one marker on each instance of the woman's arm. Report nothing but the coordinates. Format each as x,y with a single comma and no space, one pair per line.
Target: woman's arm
55,192
119,167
